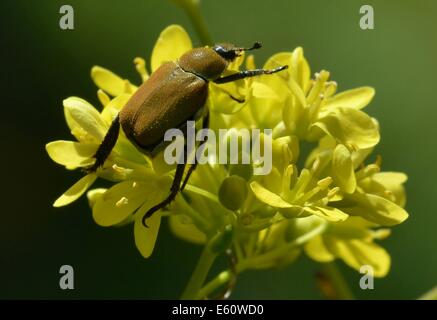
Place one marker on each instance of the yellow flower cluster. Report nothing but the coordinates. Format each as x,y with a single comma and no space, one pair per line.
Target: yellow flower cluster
327,202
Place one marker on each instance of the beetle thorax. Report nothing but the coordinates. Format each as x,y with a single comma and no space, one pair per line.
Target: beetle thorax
204,62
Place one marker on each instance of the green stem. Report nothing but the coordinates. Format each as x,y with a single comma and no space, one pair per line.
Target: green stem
202,192
430,295
200,273
191,8
226,275
339,284
223,278
219,281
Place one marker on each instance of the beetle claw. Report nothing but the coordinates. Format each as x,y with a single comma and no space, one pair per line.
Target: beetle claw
145,217
93,167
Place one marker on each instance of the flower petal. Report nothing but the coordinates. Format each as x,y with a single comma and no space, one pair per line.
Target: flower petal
328,213
122,200
265,103
94,195
172,43
376,209
298,70
114,106
76,190
145,238
268,197
356,98
298,93
390,178
140,65
272,181
357,253
359,156
393,182
342,169
71,154
316,250
110,82
279,59
103,97
353,228
84,120
225,98
350,127
262,91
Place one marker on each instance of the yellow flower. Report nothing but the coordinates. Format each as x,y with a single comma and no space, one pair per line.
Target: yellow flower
300,195
89,126
312,108
353,242
363,190
260,102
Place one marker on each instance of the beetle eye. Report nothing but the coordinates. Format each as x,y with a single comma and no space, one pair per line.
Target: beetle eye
228,54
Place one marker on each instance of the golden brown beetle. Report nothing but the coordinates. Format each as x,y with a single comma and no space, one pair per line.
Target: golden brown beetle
175,93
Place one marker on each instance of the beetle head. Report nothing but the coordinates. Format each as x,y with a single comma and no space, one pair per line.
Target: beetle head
210,63
230,52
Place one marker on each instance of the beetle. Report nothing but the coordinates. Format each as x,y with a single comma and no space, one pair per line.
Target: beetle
174,94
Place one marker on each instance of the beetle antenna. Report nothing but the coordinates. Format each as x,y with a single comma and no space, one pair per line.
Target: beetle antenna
256,45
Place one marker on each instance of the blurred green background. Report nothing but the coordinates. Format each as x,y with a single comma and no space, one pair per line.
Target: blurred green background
42,65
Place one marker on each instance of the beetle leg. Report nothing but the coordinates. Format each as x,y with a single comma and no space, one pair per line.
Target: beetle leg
205,125
174,189
248,73
106,146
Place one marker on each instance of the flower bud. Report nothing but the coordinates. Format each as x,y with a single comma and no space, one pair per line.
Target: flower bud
233,192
